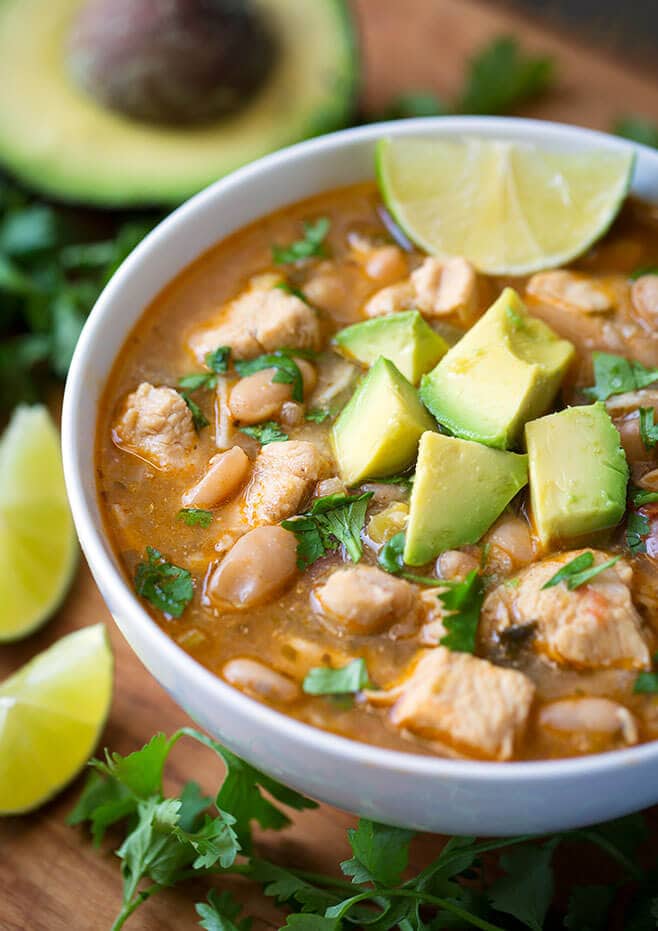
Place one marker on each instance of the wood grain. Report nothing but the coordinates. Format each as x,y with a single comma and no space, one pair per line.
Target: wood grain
51,879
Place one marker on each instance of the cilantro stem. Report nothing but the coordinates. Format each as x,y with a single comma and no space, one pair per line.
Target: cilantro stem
130,907
608,847
423,897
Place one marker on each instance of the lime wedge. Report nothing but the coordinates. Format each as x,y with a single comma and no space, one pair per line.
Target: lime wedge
510,208
38,548
52,712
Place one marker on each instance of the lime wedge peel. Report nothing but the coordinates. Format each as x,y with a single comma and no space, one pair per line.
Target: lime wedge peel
52,712
510,208
38,546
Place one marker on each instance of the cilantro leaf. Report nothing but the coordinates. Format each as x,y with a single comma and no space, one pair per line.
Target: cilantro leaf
317,415
648,429
390,557
168,587
579,571
240,793
218,360
333,521
197,380
192,805
413,104
639,496
638,129
527,889
139,772
381,853
310,246
323,680
267,432
637,529
220,913
195,517
501,77
617,375
199,419
463,600
646,682
104,801
287,371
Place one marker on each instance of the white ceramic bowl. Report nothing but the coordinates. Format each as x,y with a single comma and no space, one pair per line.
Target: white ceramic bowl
422,792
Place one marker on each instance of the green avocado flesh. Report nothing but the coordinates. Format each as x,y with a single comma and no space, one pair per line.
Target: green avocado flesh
505,371
404,338
59,140
378,431
578,473
459,490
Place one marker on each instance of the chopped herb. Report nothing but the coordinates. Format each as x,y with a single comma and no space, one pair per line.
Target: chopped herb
195,517
501,77
638,129
617,375
323,680
640,497
647,682
287,370
391,559
406,480
267,432
198,380
464,601
637,529
333,521
199,419
648,429
579,571
644,270
218,360
317,415
310,246
291,289
168,588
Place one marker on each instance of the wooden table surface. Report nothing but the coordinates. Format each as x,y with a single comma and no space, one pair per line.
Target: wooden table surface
51,879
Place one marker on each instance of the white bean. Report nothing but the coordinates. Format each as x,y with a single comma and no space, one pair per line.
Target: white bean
256,397
259,566
592,715
226,474
255,678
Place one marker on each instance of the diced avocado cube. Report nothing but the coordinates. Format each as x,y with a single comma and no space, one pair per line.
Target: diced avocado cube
578,473
404,338
505,371
459,490
378,431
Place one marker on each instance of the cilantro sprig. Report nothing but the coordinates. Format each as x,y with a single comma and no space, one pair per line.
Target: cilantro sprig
617,375
199,419
267,432
346,680
195,517
287,371
648,429
310,246
463,602
579,571
166,586
165,841
333,521
218,363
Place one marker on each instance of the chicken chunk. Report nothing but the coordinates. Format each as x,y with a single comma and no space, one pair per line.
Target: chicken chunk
576,293
261,319
363,600
284,475
592,627
436,288
644,294
467,703
156,425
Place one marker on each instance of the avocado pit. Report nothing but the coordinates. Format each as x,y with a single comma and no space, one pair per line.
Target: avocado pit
171,62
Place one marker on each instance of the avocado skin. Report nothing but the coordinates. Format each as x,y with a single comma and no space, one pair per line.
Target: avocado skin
460,489
404,338
377,432
578,473
94,164
504,371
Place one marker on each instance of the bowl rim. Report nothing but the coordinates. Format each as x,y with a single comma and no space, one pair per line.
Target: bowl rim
96,544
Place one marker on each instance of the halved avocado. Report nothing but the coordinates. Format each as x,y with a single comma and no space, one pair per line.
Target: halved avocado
57,138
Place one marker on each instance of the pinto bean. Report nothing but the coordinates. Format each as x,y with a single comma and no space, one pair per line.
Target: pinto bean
226,474
256,397
255,678
259,566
